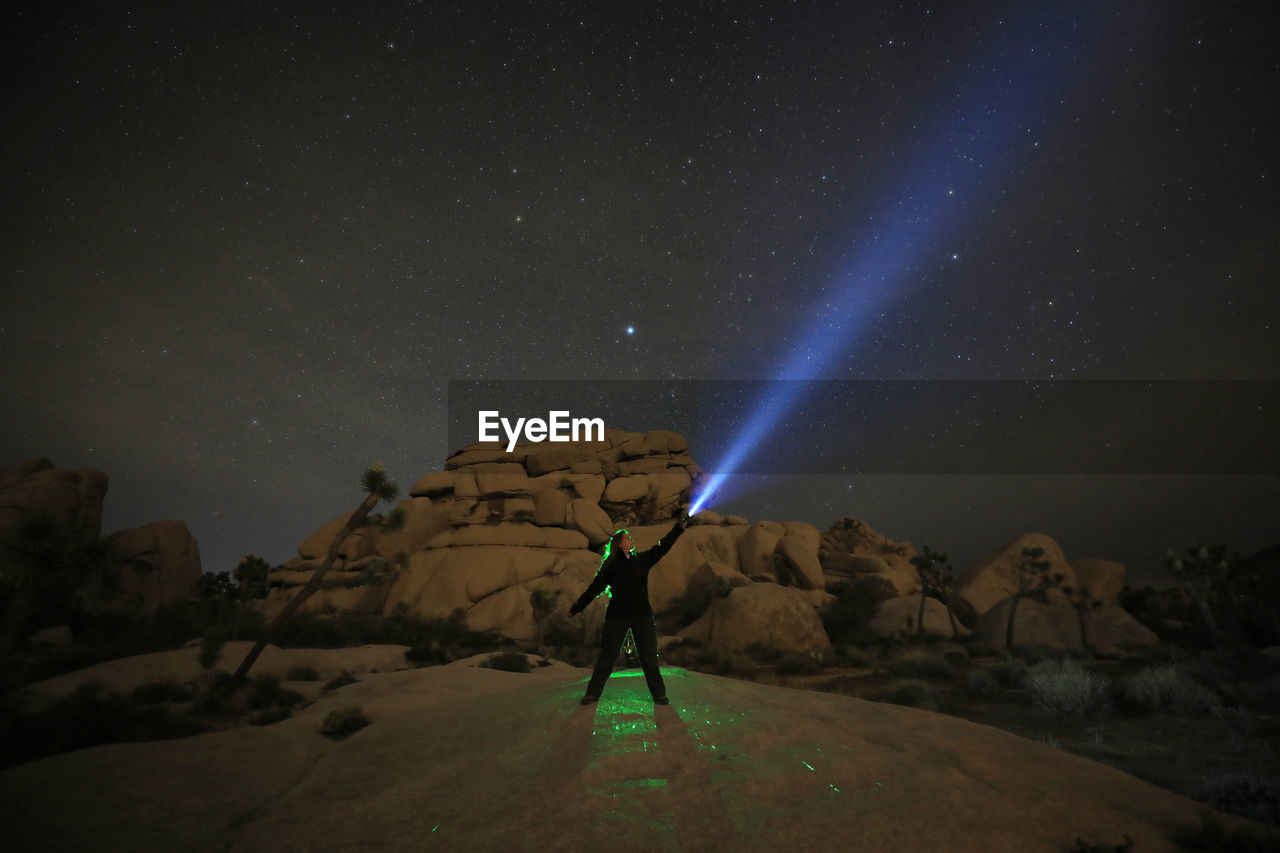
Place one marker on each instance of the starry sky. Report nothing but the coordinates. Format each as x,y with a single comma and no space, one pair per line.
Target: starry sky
246,246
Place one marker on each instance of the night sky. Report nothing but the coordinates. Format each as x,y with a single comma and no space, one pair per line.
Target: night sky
246,248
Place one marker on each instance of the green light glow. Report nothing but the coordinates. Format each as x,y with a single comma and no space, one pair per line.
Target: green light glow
807,764
834,788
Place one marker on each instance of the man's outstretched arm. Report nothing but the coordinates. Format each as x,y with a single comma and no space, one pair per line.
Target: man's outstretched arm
597,586
657,552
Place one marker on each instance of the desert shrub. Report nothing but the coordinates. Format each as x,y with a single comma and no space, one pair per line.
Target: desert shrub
847,616
161,691
270,715
341,681
265,691
1212,835
508,661
90,716
303,673
983,682
345,721
920,664
1167,689
799,663
1244,794
910,691
1067,687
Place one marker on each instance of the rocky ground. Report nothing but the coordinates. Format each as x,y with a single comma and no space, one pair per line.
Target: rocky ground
463,757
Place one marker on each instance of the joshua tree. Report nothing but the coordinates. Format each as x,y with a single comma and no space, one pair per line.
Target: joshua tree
43,564
1034,581
936,578
1083,602
1205,575
377,488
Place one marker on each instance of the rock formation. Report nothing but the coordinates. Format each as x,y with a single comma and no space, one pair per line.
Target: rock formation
159,562
71,496
1109,628
850,549
493,525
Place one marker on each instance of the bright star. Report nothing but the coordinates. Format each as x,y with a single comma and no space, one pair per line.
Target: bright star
631,330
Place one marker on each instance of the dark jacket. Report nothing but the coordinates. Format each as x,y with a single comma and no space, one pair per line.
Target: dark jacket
627,576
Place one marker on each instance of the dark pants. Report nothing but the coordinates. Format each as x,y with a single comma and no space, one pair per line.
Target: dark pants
611,637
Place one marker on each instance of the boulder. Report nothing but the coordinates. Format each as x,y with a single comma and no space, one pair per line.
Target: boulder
898,616
479,453
761,613
316,546
850,549
160,563
1111,629
72,497
433,485
995,576
550,506
669,580
442,579
502,479
1055,625
626,489
755,550
587,517
798,554
423,519
510,533
712,574
555,457
1103,578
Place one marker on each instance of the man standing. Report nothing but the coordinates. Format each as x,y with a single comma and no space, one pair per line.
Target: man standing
626,574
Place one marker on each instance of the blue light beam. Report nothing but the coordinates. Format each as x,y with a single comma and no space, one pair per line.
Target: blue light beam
993,121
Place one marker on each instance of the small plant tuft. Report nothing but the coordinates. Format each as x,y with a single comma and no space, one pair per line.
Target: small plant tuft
345,721
508,661
1167,689
303,673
